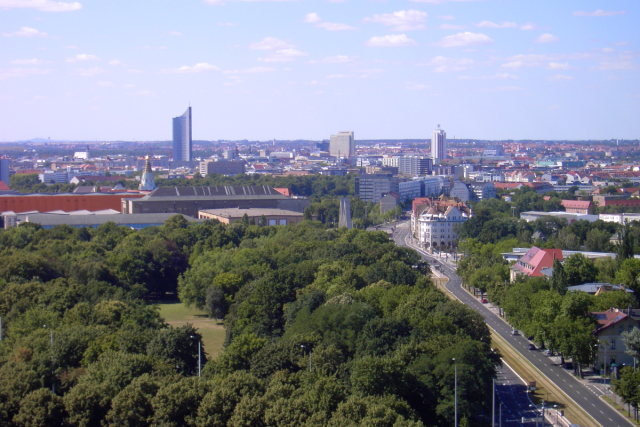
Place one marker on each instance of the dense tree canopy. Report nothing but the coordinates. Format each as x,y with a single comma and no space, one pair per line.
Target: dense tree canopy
324,326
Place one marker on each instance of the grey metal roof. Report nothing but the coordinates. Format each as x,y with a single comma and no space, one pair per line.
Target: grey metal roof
88,220
219,191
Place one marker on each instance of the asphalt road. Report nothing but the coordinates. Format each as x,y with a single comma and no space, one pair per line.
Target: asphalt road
583,396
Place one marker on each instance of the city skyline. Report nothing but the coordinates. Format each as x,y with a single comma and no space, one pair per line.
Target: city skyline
492,69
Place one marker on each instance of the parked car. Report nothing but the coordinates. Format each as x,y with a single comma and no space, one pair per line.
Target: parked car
484,300
532,346
548,352
515,332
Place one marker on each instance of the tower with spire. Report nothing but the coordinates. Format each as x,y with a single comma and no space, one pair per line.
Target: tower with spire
147,182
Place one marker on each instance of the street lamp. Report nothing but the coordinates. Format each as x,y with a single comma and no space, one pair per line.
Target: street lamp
455,393
304,349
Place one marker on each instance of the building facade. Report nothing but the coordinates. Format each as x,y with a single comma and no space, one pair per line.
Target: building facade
437,226
371,188
5,170
415,166
438,145
342,145
222,167
182,141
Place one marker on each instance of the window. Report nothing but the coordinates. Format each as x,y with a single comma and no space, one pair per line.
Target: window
613,344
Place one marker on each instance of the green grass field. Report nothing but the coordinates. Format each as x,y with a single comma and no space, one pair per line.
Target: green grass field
212,331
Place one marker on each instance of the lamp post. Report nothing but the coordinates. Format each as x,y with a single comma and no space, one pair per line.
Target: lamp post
455,393
304,349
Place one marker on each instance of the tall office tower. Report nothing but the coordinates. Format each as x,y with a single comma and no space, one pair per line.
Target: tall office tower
182,137
5,170
438,145
345,213
342,145
147,182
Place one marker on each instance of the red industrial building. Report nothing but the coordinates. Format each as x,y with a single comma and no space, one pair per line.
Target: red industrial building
64,202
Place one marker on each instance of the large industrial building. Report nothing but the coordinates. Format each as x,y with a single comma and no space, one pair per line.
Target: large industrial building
64,202
190,200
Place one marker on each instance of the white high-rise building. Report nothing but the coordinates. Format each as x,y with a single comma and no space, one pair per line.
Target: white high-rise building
438,145
342,145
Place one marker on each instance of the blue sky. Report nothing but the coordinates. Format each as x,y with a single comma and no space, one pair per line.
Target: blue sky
260,69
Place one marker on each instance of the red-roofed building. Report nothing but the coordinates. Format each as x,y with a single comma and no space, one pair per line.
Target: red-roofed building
610,326
4,187
576,206
284,191
532,263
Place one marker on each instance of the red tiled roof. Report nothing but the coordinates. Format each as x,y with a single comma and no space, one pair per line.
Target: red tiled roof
283,191
576,204
608,318
536,259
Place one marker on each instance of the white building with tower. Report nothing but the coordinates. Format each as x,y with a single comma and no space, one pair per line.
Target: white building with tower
342,145
438,145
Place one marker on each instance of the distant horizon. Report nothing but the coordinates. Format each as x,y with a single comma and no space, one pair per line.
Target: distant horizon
41,141
503,69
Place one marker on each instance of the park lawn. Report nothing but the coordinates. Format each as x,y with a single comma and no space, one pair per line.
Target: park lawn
212,331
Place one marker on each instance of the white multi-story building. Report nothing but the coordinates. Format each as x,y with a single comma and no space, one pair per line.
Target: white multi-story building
436,226
438,145
392,161
342,145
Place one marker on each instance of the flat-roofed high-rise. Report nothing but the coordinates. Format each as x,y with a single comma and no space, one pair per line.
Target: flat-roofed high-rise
182,137
342,145
438,145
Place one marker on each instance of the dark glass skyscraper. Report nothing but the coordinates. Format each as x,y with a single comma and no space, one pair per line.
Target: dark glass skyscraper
182,137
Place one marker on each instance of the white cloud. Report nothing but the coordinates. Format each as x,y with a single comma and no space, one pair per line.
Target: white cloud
452,27
464,39
336,59
560,77
106,83
491,24
528,26
314,18
416,86
281,51
599,13
558,66
26,32
546,38
270,43
196,68
41,5
620,62
175,33
401,20
115,62
442,1
89,72
442,64
250,70
220,2
526,60
22,72
29,61
391,40
83,57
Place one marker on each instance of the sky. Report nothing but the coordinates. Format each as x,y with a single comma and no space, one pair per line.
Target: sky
305,69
